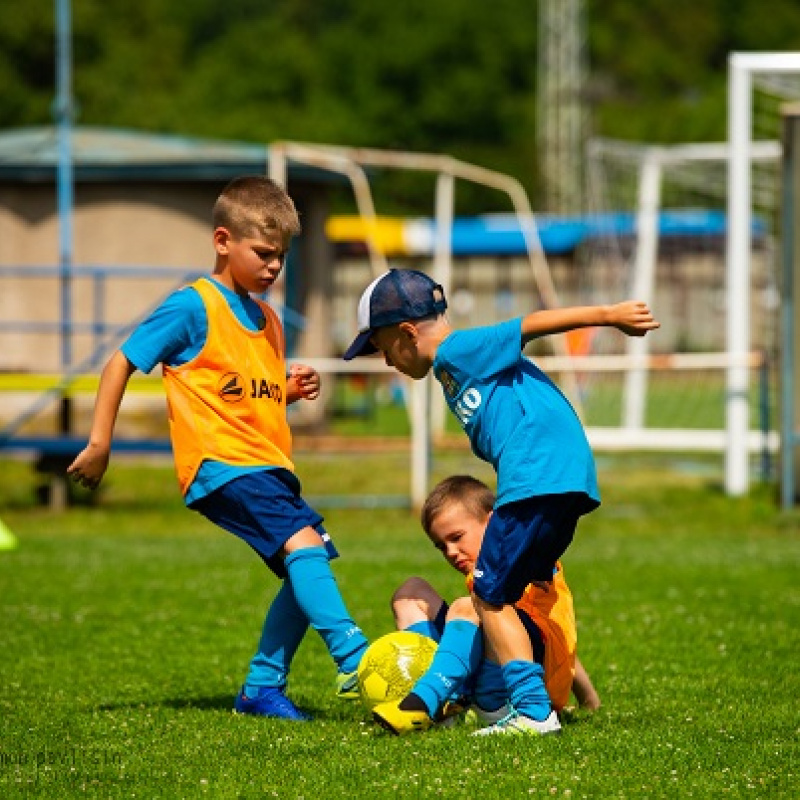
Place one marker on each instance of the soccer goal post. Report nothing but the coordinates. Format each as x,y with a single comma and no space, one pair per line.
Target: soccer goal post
790,317
746,71
749,195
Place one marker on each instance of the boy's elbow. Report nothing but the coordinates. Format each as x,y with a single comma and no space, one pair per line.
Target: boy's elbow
119,365
125,362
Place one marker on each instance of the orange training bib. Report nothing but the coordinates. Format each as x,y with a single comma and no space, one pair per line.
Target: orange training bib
228,403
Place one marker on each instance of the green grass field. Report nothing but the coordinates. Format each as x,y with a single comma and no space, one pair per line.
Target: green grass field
127,627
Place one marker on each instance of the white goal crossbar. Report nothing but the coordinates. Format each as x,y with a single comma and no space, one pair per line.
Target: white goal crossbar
653,162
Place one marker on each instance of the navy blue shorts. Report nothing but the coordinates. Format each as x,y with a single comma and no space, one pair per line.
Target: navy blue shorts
522,543
265,510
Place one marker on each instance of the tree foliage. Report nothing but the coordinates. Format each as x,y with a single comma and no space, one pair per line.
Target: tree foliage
429,75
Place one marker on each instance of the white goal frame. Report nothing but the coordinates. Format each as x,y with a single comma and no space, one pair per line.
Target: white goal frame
351,162
737,440
741,69
653,162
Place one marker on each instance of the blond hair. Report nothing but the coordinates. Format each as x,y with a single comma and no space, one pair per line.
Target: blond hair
474,495
254,205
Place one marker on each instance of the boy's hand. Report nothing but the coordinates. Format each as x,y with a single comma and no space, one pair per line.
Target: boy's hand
633,318
89,466
303,382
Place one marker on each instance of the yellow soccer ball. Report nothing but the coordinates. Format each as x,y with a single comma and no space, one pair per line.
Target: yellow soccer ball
392,664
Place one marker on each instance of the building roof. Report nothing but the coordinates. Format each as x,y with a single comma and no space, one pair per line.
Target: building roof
113,154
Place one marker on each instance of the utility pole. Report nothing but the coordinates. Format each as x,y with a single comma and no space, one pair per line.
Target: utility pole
561,116
63,113
64,118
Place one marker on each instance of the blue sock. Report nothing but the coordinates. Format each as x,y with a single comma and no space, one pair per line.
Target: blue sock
284,629
457,657
426,628
318,596
490,688
526,690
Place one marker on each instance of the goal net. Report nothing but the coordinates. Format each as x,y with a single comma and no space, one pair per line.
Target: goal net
659,233
664,227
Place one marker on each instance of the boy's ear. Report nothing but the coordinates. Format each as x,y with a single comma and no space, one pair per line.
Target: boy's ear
409,329
221,237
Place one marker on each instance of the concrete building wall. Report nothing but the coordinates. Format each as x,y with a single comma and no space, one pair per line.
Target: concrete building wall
163,227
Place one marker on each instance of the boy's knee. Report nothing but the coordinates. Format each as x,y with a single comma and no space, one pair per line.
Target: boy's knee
412,589
414,600
463,608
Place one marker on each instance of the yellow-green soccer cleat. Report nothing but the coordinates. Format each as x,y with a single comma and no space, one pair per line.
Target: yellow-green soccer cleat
393,719
518,724
347,686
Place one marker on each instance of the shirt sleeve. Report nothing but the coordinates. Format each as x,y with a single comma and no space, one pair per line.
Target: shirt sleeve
484,352
173,334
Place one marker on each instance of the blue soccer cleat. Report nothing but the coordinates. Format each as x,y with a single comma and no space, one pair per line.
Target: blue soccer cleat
269,702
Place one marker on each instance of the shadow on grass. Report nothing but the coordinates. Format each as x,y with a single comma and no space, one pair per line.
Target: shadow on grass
341,713
573,717
220,703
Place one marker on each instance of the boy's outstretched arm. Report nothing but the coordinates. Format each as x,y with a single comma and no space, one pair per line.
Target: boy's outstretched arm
631,317
91,463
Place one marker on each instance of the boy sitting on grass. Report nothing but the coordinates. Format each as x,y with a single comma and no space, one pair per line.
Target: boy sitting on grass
518,421
455,516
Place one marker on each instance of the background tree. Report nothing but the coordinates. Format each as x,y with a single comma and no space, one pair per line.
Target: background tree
428,75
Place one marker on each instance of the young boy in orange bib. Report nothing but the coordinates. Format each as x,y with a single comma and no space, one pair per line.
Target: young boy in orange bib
227,388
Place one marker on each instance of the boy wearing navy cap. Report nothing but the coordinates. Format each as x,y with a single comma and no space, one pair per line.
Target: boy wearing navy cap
518,421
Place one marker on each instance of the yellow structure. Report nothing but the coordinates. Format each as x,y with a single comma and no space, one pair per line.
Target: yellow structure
386,233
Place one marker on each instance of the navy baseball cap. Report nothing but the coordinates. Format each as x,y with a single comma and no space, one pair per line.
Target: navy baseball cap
396,296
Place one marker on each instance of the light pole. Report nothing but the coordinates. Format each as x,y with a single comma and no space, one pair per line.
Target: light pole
63,113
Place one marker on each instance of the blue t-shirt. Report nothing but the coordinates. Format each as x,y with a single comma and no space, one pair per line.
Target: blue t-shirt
173,335
514,415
